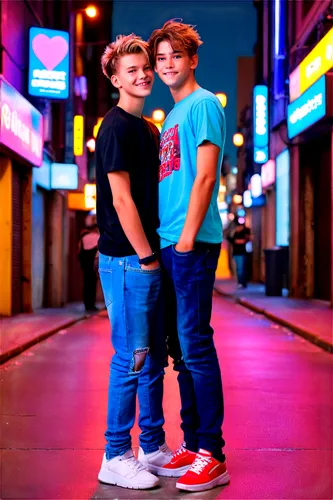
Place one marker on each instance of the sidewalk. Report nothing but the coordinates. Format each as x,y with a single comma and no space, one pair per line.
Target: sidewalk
312,319
18,333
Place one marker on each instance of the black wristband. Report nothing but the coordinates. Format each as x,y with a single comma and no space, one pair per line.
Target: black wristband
148,260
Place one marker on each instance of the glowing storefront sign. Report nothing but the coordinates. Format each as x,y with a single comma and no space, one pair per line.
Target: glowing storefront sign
260,126
21,128
48,63
90,196
78,135
318,62
282,198
268,174
307,109
247,199
64,176
256,188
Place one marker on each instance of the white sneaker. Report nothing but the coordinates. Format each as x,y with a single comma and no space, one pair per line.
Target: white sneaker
154,461
127,472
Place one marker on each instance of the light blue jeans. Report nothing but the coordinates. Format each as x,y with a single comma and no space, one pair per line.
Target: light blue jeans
132,297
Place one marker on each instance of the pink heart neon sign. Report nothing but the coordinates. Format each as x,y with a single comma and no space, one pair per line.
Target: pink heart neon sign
50,51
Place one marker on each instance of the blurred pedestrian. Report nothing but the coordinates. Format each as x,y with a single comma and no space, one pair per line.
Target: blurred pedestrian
127,214
240,239
88,253
191,151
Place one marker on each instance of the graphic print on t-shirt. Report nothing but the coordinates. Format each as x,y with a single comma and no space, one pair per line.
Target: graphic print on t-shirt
169,152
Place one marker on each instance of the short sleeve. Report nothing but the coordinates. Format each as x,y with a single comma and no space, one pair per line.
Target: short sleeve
209,123
113,151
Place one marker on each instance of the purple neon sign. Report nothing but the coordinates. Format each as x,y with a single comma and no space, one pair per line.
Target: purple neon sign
21,125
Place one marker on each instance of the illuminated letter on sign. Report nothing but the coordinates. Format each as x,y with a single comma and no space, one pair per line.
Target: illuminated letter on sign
260,125
78,135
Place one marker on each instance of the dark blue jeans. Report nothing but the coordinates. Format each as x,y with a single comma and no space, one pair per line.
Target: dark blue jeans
188,280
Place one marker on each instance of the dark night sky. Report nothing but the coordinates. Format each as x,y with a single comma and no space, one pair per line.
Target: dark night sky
227,28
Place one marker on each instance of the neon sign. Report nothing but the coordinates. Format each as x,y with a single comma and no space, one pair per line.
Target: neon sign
260,125
21,128
318,62
268,174
48,63
307,109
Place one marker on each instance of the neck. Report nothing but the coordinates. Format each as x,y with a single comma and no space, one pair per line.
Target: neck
132,105
186,89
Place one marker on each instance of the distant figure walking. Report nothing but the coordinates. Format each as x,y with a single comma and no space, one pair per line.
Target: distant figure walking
87,255
240,238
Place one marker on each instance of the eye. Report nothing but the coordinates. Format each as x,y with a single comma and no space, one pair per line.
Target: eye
160,58
148,67
177,56
131,70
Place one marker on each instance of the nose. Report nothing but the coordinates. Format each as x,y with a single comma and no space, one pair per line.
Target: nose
169,63
142,74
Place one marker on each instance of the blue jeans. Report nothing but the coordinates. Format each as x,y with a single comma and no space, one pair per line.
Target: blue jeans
132,298
241,271
188,280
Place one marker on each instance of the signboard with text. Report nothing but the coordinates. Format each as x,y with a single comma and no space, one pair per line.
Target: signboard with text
21,126
48,63
260,125
318,62
307,109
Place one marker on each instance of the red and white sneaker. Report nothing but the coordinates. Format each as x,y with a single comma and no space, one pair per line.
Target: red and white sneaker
180,462
204,474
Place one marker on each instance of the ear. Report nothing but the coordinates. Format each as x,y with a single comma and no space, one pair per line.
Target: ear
194,60
115,82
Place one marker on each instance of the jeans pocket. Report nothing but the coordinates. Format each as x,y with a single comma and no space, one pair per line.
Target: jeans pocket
183,254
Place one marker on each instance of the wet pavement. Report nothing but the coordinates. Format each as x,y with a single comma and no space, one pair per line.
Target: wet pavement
278,426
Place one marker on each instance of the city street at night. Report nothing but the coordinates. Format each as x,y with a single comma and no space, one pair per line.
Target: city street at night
278,414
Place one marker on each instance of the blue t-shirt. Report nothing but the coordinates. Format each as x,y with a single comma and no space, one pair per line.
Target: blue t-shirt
197,118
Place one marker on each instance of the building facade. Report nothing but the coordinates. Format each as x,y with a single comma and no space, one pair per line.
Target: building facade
291,143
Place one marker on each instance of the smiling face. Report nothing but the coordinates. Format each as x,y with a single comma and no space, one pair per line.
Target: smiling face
174,66
134,75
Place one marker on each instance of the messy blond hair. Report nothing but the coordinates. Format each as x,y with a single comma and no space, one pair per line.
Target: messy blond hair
123,45
181,36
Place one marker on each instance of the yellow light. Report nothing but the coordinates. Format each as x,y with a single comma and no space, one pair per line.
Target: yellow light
318,62
91,11
237,199
78,135
222,188
158,115
91,145
222,98
90,196
238,139
97,127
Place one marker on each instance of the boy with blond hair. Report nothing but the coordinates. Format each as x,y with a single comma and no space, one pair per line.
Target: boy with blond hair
191,151
127,216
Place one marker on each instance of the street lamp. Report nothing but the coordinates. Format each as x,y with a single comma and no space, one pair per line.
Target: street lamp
91,11
222,98
238,139
158,115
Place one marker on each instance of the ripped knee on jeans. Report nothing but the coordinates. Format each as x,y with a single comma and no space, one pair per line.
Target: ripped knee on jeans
139,356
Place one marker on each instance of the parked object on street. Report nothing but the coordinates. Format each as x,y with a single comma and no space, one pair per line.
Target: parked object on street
274,271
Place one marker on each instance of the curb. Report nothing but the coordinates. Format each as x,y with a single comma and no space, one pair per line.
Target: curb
6,356
306,334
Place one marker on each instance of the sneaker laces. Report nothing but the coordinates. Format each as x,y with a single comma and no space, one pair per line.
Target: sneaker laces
180,450
134,464
199,464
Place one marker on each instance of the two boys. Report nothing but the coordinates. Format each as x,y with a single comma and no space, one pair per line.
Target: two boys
132,191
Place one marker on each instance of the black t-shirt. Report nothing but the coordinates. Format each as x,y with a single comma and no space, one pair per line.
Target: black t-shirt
241,234
129,144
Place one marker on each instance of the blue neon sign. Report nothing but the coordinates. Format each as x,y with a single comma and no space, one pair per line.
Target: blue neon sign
48,63
64,176
260,123
307,109
283,198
